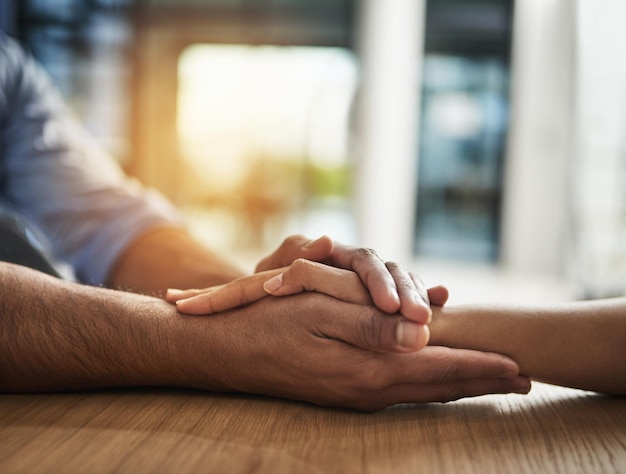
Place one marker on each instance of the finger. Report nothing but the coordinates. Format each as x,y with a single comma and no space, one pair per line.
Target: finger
475,388
414,303
369,328
438,295
304,275
294,247
237,293
428,393
373,273
442,365
450,391
173,295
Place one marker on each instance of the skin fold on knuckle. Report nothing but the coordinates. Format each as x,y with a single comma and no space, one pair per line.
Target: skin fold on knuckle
400,276
294,242
205,304
394,267
370,268
449,368
300,267
405,286
364,257
421,288
296,276
375,331
240,289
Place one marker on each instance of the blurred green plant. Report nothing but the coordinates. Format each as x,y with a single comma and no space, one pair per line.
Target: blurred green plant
326,181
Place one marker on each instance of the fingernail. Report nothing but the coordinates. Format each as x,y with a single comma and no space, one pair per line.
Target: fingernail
407,334
187,303
173,292
273,284
312,243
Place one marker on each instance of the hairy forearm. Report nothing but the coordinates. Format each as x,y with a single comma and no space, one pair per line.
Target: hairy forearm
581,345
169,258
56,335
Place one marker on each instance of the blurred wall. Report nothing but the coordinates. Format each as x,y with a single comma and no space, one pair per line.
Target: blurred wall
596,262
540,136
565,187
391,48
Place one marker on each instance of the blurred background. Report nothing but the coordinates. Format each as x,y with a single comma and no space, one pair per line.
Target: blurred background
481,143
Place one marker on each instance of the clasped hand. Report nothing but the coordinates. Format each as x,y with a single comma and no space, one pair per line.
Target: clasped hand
350,274
380,310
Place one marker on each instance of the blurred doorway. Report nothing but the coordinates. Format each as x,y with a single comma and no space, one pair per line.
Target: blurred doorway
464,120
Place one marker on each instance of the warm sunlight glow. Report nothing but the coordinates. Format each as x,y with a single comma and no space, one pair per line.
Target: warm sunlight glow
264,135
238,104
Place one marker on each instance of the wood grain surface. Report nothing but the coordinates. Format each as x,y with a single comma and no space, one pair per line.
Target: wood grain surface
552,429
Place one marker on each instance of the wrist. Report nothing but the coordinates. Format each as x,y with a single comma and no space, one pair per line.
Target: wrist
442,326
196,350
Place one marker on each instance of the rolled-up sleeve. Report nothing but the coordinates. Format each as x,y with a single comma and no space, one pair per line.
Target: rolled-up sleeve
53,174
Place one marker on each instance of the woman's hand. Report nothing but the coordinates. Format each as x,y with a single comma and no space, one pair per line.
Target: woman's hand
302,275
389,286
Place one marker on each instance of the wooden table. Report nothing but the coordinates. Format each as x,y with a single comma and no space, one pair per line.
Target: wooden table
551,430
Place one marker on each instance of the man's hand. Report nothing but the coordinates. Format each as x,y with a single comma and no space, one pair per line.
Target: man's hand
318,349
393,288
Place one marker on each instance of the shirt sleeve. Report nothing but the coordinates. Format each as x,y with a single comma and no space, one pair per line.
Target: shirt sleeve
53,174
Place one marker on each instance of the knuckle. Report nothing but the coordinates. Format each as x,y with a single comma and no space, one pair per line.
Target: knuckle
366,253
416,278
365,261
401,276
405,285
209,305
455,392
377,379
241,292
369,329
373,329
299,269
300,264
372,380
293,241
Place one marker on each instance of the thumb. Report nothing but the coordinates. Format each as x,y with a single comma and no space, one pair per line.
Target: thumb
438,295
